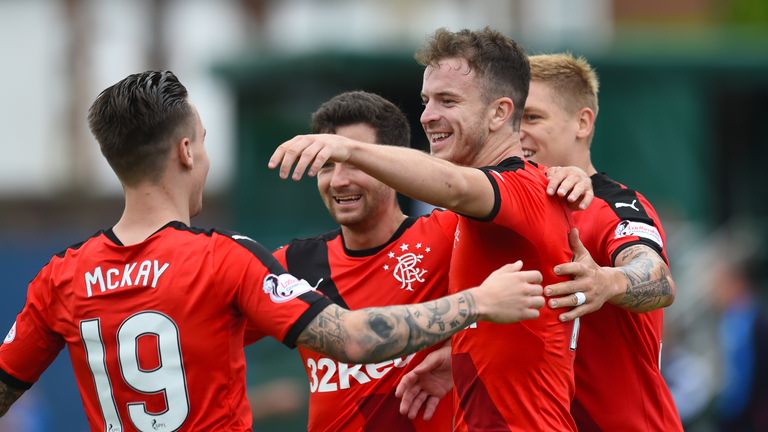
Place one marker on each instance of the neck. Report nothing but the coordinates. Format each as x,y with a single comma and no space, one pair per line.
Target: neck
374,232
147,208
498,146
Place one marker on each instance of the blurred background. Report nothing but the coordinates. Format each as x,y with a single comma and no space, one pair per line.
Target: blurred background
684,87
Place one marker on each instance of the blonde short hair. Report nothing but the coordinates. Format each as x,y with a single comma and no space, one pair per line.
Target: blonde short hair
572,79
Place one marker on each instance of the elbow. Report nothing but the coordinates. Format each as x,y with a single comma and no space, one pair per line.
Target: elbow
669,298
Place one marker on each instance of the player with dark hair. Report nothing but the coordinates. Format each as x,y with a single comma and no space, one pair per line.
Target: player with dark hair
378,256
153,311
475,83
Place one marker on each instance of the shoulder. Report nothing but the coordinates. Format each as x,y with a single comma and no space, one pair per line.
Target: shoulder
624,202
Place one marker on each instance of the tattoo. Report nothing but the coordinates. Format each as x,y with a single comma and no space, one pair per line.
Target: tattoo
8,396
649,282
382,333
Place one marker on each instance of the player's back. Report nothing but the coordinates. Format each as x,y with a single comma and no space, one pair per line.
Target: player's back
155,329
514,376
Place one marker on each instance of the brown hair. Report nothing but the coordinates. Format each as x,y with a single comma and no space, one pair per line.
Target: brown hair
495,58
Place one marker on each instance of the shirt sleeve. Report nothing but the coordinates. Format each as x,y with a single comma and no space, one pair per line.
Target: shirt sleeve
275,302
31,345
519,197
615,231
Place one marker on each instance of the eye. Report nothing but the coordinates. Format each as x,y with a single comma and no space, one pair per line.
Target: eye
531,117
328,166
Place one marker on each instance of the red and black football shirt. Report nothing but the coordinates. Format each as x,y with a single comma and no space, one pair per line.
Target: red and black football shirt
155,330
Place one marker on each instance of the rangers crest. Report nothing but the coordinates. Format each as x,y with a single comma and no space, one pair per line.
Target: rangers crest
408,270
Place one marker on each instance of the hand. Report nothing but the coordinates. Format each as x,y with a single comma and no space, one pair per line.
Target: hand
426,384
510,295
572,184
309,153
595,282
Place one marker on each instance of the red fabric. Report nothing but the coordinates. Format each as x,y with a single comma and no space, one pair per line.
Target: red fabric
518,376
618,382
188,312
347,397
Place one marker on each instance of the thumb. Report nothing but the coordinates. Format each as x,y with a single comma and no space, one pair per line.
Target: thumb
515,266
577,247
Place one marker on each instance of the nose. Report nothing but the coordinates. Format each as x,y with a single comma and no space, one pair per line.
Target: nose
429,114
340,177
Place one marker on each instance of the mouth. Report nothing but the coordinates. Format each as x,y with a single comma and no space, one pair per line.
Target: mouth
528,153
436,138
346,199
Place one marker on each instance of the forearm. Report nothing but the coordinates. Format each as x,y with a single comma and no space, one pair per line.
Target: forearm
426,178
8,396
645,281
377,334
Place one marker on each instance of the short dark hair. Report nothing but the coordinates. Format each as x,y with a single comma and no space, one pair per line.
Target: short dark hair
495,58
136,120
354,107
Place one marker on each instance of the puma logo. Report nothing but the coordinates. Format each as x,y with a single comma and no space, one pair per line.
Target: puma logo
632,205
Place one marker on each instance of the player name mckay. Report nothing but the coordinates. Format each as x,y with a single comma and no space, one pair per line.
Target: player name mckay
139,273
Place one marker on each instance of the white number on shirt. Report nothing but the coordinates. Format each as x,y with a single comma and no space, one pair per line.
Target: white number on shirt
168,377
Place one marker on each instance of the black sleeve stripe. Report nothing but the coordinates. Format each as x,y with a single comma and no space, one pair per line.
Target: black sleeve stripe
308,260
318,304
650,243
14,382
259,251
624,202
509,164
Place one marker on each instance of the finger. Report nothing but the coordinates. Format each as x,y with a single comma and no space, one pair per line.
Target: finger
566,185
555,178
511,268
579,189
307,156
577,247
430,407
576,312
405,382
587,200
566,288
530,276
536,302
529,314
276,158
416,406
291,151
572,269
409,395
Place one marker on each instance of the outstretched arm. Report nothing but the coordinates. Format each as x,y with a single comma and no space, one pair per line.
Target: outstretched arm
377,334
411,172
8,396
639,282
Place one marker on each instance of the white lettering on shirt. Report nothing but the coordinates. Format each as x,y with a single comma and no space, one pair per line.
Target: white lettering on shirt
100,280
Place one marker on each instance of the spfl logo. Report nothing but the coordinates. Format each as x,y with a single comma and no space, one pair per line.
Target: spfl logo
407,270
284,287
11,334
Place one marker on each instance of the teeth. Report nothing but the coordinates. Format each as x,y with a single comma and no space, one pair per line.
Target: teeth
527,153
347,198
437,136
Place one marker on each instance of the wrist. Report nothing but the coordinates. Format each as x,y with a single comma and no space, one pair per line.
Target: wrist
617,283
474,304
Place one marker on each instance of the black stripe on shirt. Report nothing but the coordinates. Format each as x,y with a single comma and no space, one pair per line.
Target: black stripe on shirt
308,259
509,164
14,382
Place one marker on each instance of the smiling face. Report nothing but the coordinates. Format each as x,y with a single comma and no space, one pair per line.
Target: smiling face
354,198
455,117
549,133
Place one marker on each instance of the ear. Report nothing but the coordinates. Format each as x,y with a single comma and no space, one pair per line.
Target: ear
502,113
586,119
184,151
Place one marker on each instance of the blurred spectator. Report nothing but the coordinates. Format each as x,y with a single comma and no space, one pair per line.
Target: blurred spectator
742,404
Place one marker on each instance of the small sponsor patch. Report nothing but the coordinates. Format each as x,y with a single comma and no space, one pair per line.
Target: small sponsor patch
11,334
639,229
284,287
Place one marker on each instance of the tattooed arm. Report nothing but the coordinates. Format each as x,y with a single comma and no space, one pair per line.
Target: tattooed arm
377,334
8,396
640,281
648,283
